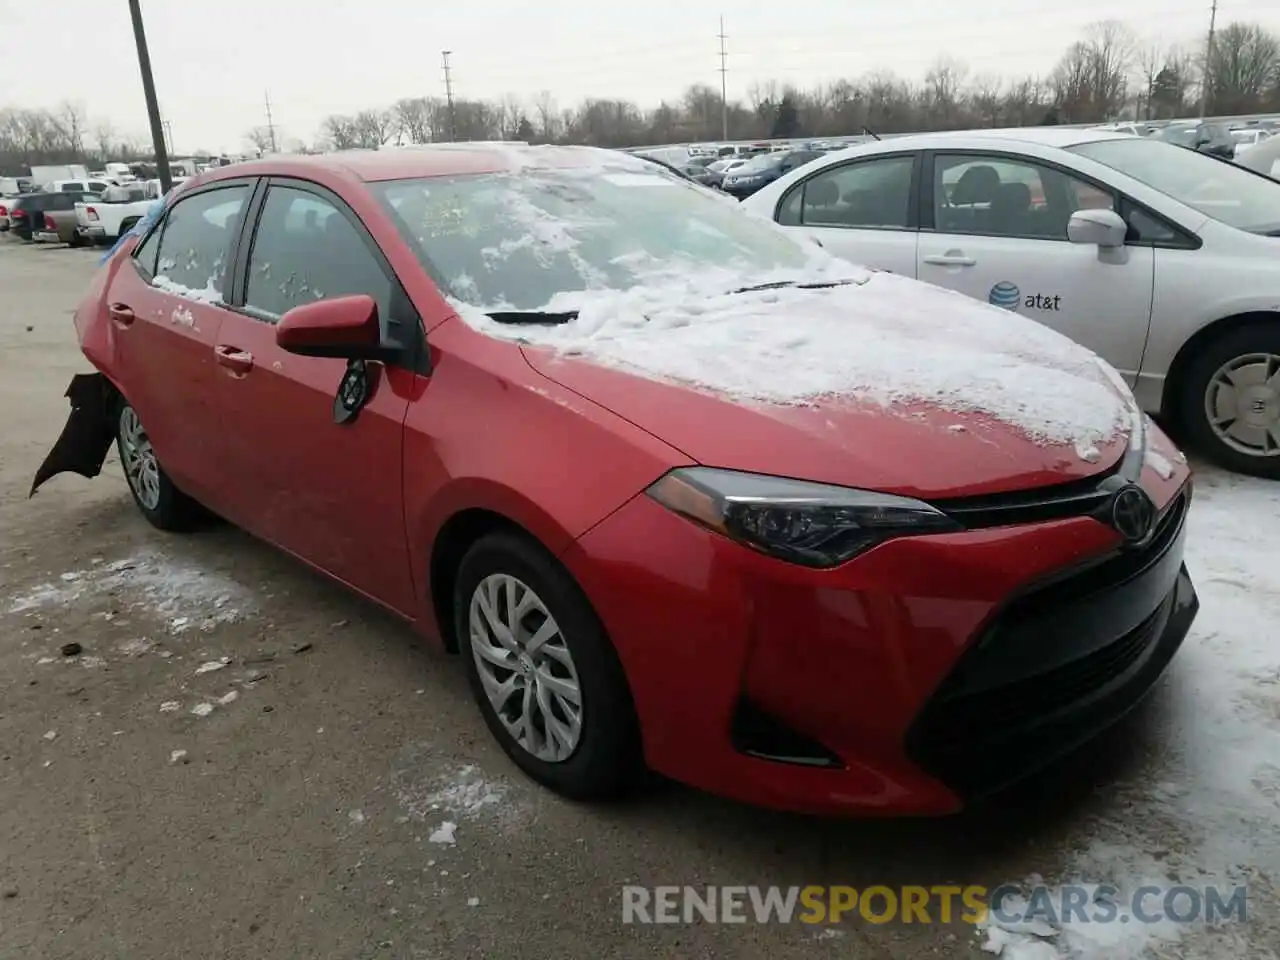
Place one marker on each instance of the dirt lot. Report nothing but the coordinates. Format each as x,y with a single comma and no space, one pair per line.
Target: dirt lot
244,761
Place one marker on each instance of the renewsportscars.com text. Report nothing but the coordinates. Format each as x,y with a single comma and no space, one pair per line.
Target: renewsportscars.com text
935,904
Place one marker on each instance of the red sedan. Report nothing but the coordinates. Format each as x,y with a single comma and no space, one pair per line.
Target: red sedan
685,493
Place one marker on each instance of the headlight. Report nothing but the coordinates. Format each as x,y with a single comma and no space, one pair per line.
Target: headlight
813,524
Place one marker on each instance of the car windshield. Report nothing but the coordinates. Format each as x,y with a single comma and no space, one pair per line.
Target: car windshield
1216,188
516,241
760,163
1182,136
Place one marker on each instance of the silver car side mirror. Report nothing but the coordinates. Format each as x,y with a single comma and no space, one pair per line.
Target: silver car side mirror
1101,228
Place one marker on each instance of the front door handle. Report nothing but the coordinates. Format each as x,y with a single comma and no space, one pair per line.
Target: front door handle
122,314
234,359
950,260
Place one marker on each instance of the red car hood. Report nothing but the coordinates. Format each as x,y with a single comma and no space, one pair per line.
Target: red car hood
917,390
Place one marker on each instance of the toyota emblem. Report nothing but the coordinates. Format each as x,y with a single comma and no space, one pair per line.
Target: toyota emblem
1132,514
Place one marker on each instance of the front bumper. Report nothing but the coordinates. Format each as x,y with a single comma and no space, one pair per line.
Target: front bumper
876,687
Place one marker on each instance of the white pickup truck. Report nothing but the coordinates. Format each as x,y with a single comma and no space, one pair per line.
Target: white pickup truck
103,221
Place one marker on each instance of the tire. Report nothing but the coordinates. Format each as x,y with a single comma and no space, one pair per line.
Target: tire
1244,346
606,759
126,226
163,504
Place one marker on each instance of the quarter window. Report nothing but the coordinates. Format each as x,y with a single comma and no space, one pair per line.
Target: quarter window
306,249
872,193
195,240
1002,197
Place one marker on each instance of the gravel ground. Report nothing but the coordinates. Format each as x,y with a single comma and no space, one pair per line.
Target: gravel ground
247,761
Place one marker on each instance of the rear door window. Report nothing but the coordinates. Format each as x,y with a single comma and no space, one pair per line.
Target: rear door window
194,241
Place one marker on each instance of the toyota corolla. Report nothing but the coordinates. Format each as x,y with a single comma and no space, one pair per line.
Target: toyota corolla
683,491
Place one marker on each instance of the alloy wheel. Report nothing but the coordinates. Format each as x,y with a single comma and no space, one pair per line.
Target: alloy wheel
525,667
141,468
1242,404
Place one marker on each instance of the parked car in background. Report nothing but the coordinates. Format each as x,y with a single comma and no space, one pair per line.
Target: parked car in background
105,218
1162,260
1247,138
960,559
1210,138
763,170
10,189
59,226
717,171
1263,158
78,186
26,215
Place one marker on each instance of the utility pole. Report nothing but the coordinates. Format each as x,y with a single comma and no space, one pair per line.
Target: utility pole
448,96
149,92
271,126
1208,61
724,84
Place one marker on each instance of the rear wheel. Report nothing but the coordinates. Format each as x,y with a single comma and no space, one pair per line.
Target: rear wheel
1231,400
163,504
544,673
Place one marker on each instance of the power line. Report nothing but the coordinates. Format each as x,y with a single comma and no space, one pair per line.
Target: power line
1208,60
271,126
724,83
448,95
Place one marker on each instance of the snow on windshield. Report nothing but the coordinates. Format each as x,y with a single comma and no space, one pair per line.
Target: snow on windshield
519,241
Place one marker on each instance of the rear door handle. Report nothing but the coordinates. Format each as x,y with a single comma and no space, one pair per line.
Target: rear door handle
121,313
234,359
950,260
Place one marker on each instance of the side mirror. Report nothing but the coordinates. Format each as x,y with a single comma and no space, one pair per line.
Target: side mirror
1100,228
343,327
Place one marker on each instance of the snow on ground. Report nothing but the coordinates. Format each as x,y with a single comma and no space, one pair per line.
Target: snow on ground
1209,813
179,594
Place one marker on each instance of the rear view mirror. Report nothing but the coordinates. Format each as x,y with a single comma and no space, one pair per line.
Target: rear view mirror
1101,228
343,327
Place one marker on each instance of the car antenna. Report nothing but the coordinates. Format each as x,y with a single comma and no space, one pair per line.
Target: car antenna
869,132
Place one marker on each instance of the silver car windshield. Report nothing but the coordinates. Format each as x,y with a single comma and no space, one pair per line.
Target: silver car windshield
1217,188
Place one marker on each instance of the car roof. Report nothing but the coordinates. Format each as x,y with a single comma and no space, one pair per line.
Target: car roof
429,160
1061,137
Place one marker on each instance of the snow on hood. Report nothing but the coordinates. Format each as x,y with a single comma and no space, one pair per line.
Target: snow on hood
881,339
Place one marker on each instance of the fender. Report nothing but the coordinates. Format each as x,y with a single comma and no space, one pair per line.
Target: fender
82,447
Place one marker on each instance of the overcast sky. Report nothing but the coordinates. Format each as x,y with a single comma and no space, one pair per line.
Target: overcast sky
214,60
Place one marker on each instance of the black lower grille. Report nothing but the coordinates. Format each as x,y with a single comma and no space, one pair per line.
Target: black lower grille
1060,662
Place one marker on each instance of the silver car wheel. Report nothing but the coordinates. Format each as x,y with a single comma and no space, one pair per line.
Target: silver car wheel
1242,404
525,667
141,468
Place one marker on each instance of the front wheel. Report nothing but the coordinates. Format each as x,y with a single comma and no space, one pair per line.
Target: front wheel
1231,400
163,504
543,671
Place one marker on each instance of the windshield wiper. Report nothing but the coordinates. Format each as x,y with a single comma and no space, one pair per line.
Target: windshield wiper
795,284
533,316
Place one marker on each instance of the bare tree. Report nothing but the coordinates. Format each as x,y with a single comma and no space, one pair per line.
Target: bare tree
510,116
544,105
1150,59
413,116
944,86
373,128
1243,67
70,118
986,93
339,132
260,138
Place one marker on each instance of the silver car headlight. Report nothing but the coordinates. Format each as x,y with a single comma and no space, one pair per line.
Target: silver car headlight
811,524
